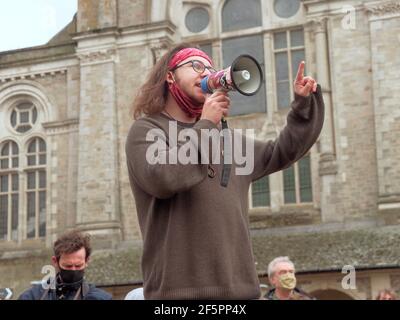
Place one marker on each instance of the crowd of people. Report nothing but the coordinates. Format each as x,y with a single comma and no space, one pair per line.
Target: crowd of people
72,256
193,217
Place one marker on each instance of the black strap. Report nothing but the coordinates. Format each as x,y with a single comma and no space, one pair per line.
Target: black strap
227,155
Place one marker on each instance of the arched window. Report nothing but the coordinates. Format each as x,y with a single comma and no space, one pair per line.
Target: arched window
9,191
23,164
36,188
239,14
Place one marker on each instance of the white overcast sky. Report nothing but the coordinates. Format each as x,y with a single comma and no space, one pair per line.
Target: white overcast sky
27,23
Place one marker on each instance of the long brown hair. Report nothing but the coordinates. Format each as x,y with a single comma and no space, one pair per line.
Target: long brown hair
152,95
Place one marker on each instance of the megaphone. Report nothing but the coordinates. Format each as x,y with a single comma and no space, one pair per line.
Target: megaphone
244,75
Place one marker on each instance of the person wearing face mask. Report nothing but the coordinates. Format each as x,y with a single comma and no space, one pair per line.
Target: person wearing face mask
196,239
281,274
71,256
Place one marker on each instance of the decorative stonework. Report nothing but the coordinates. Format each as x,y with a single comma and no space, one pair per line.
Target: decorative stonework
32,76
317,25
384,10
158,50
59,127
97,57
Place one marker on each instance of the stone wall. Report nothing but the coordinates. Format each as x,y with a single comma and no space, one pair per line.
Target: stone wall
354,118
384,23
134,63
133,12
96,14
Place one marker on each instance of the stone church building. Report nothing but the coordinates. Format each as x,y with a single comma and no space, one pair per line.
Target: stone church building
65,113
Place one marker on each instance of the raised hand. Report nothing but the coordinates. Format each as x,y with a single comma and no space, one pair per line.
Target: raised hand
303,86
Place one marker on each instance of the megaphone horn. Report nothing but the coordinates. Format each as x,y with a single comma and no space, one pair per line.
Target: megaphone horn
244,75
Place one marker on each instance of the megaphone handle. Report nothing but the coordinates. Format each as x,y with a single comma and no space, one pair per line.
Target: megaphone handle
226,169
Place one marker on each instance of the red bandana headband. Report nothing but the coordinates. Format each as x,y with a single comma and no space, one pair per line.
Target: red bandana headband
186,53
190,106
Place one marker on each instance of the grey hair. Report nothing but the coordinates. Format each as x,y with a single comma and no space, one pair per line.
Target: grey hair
273,263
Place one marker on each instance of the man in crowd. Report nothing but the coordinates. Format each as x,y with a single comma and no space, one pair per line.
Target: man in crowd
281,274
71,256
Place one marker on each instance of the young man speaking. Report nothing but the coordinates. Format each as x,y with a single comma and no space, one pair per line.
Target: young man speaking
195,232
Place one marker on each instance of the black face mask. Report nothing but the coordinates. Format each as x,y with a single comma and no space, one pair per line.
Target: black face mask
71,276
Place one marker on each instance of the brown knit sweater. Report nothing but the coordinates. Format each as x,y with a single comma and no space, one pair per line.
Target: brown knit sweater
195,233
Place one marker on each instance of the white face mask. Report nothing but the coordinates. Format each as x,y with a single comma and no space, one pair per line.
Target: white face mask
287,281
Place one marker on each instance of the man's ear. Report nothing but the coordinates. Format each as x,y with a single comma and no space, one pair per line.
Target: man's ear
170,77
272,281
54,262
87,262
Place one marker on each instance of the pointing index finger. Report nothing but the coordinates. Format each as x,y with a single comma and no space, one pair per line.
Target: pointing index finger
300,71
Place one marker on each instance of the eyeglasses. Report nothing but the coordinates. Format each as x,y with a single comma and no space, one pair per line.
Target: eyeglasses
197,66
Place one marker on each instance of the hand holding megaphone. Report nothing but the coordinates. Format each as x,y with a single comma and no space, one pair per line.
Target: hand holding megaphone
216,106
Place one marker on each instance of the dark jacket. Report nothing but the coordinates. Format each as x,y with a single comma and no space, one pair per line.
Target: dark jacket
297,294
88,292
